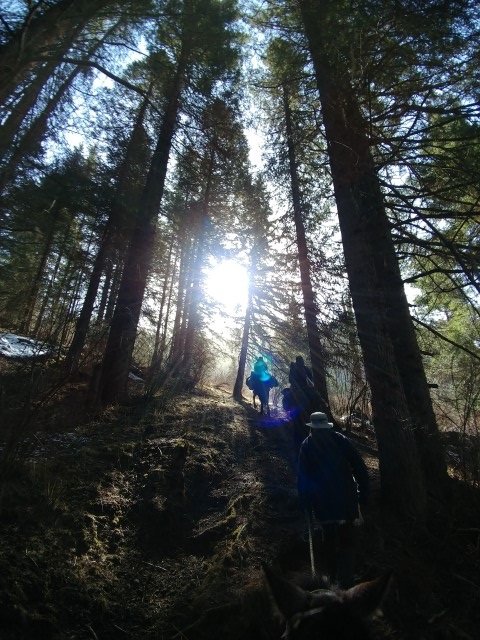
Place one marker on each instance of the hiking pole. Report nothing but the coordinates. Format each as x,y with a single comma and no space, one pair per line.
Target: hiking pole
310,542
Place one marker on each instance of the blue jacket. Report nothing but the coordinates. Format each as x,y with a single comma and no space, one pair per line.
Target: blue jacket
332,476
260,369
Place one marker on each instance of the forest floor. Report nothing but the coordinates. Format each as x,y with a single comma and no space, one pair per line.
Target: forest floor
152,521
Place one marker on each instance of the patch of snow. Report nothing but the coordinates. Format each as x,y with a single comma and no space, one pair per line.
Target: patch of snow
23,348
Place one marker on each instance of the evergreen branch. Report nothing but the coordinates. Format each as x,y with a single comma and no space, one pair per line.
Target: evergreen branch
445,339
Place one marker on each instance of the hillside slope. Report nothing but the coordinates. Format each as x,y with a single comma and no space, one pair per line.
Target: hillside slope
153,523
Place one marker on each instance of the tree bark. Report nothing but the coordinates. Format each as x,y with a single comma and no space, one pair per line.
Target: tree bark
317,352
116,220
40,271
193,315
159,342
184,277
42,36
242,360
123,331
367,242
32,136
62,254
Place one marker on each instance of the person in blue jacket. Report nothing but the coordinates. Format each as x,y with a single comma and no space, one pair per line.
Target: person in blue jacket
260,369
332,482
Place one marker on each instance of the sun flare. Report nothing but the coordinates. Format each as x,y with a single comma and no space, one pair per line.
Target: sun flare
227,284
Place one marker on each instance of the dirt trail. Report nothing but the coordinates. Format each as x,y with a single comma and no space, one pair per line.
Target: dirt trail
149,521
239,490
152,521
230,504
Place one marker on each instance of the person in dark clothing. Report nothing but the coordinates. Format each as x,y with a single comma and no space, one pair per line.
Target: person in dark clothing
332,482
306,399
300,376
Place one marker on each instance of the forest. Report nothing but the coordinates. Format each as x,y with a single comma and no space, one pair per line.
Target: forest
187,185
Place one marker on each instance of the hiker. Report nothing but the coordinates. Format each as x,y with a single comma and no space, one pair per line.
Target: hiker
304,399
300,376
260,369
332,481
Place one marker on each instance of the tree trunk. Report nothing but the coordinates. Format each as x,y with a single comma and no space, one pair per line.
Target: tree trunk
184,275
70,309
242,360
410,365
108,272
42,37
161,349
159,338
317,352
113,290
192,315
125,319
364,227
193,311
35,288
116,220
16,117
35,132
48,294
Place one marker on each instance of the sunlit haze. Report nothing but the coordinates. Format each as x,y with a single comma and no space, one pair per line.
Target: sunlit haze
227,284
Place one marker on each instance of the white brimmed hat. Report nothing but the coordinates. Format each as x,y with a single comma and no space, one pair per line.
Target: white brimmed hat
318,420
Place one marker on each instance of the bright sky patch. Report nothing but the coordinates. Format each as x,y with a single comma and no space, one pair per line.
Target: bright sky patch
227,284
